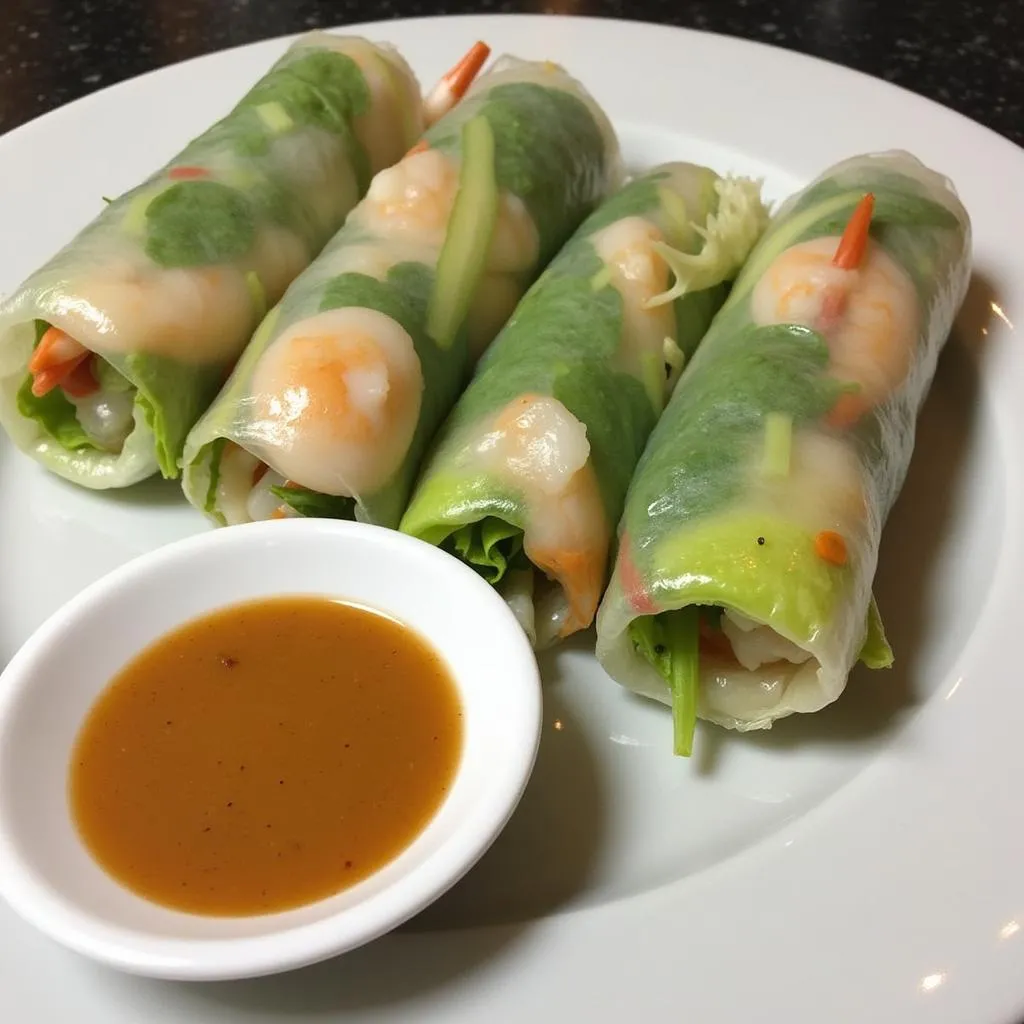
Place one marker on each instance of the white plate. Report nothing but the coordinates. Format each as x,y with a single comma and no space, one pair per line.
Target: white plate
862,863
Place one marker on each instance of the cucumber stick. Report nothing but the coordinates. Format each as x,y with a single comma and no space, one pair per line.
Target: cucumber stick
468,239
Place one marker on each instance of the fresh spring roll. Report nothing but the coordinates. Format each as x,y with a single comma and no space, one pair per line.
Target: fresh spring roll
332,404
529,474
110,352
742,587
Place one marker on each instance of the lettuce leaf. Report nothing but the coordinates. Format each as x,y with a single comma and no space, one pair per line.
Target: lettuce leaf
490,546
196,223
315,505
55,414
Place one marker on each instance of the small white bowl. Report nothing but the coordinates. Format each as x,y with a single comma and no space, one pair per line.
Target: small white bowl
50,879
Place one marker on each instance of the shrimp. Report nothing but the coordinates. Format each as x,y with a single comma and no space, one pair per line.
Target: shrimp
107,416
413,200
824,489
245,488
638,274
336,401
189,314
859,298
237,474
541,448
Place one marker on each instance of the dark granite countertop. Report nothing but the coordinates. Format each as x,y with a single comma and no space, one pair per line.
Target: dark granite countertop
966,54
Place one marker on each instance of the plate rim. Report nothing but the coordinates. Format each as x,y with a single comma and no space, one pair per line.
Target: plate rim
606,922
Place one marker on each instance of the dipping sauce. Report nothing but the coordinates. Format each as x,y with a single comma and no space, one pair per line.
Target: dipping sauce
265,756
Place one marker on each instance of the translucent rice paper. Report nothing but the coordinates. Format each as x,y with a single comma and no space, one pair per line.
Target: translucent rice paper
168,283
530,472
555,157
774,441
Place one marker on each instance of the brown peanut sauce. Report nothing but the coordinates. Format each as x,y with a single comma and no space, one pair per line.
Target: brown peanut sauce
265,756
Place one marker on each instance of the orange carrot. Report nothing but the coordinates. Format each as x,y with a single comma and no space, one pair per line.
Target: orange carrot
453,85
461,76
581,574
713,640
847,411
80,381
259,472
632,582
830,547
54,348
187,173
421,147
55,360
854,242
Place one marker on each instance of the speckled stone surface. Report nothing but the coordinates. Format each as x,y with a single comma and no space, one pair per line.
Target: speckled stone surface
967,54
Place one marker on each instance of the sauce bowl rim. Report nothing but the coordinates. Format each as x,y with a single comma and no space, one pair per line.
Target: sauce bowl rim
279,947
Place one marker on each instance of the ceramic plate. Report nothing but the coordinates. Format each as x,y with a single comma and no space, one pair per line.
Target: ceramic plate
863,863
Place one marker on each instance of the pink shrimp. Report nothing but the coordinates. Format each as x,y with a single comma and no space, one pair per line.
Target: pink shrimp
859,298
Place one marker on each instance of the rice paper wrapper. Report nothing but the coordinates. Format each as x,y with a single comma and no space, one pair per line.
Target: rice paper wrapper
555,156
169,281
529,474
764,488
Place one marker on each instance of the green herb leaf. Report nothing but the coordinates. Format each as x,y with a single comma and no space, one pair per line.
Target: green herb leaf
315,505
196,223
670,642
321,88
216,453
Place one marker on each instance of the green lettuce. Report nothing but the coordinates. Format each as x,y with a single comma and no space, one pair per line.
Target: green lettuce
315,505
55,414
491,546
671,643
196,223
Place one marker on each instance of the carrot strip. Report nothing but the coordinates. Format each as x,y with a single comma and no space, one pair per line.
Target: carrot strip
60,361
55,348
461,76
81,381
632,582
187,173
453,85
847,411
854,242
421,147
46,380
713,640
830,547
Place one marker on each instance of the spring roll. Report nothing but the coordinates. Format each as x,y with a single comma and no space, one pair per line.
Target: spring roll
529,474
742,586
110,352
331,406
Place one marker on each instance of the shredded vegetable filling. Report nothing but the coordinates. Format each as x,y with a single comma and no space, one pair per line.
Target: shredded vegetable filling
75,396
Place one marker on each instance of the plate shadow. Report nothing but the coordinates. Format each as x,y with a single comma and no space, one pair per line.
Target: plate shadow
547,853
